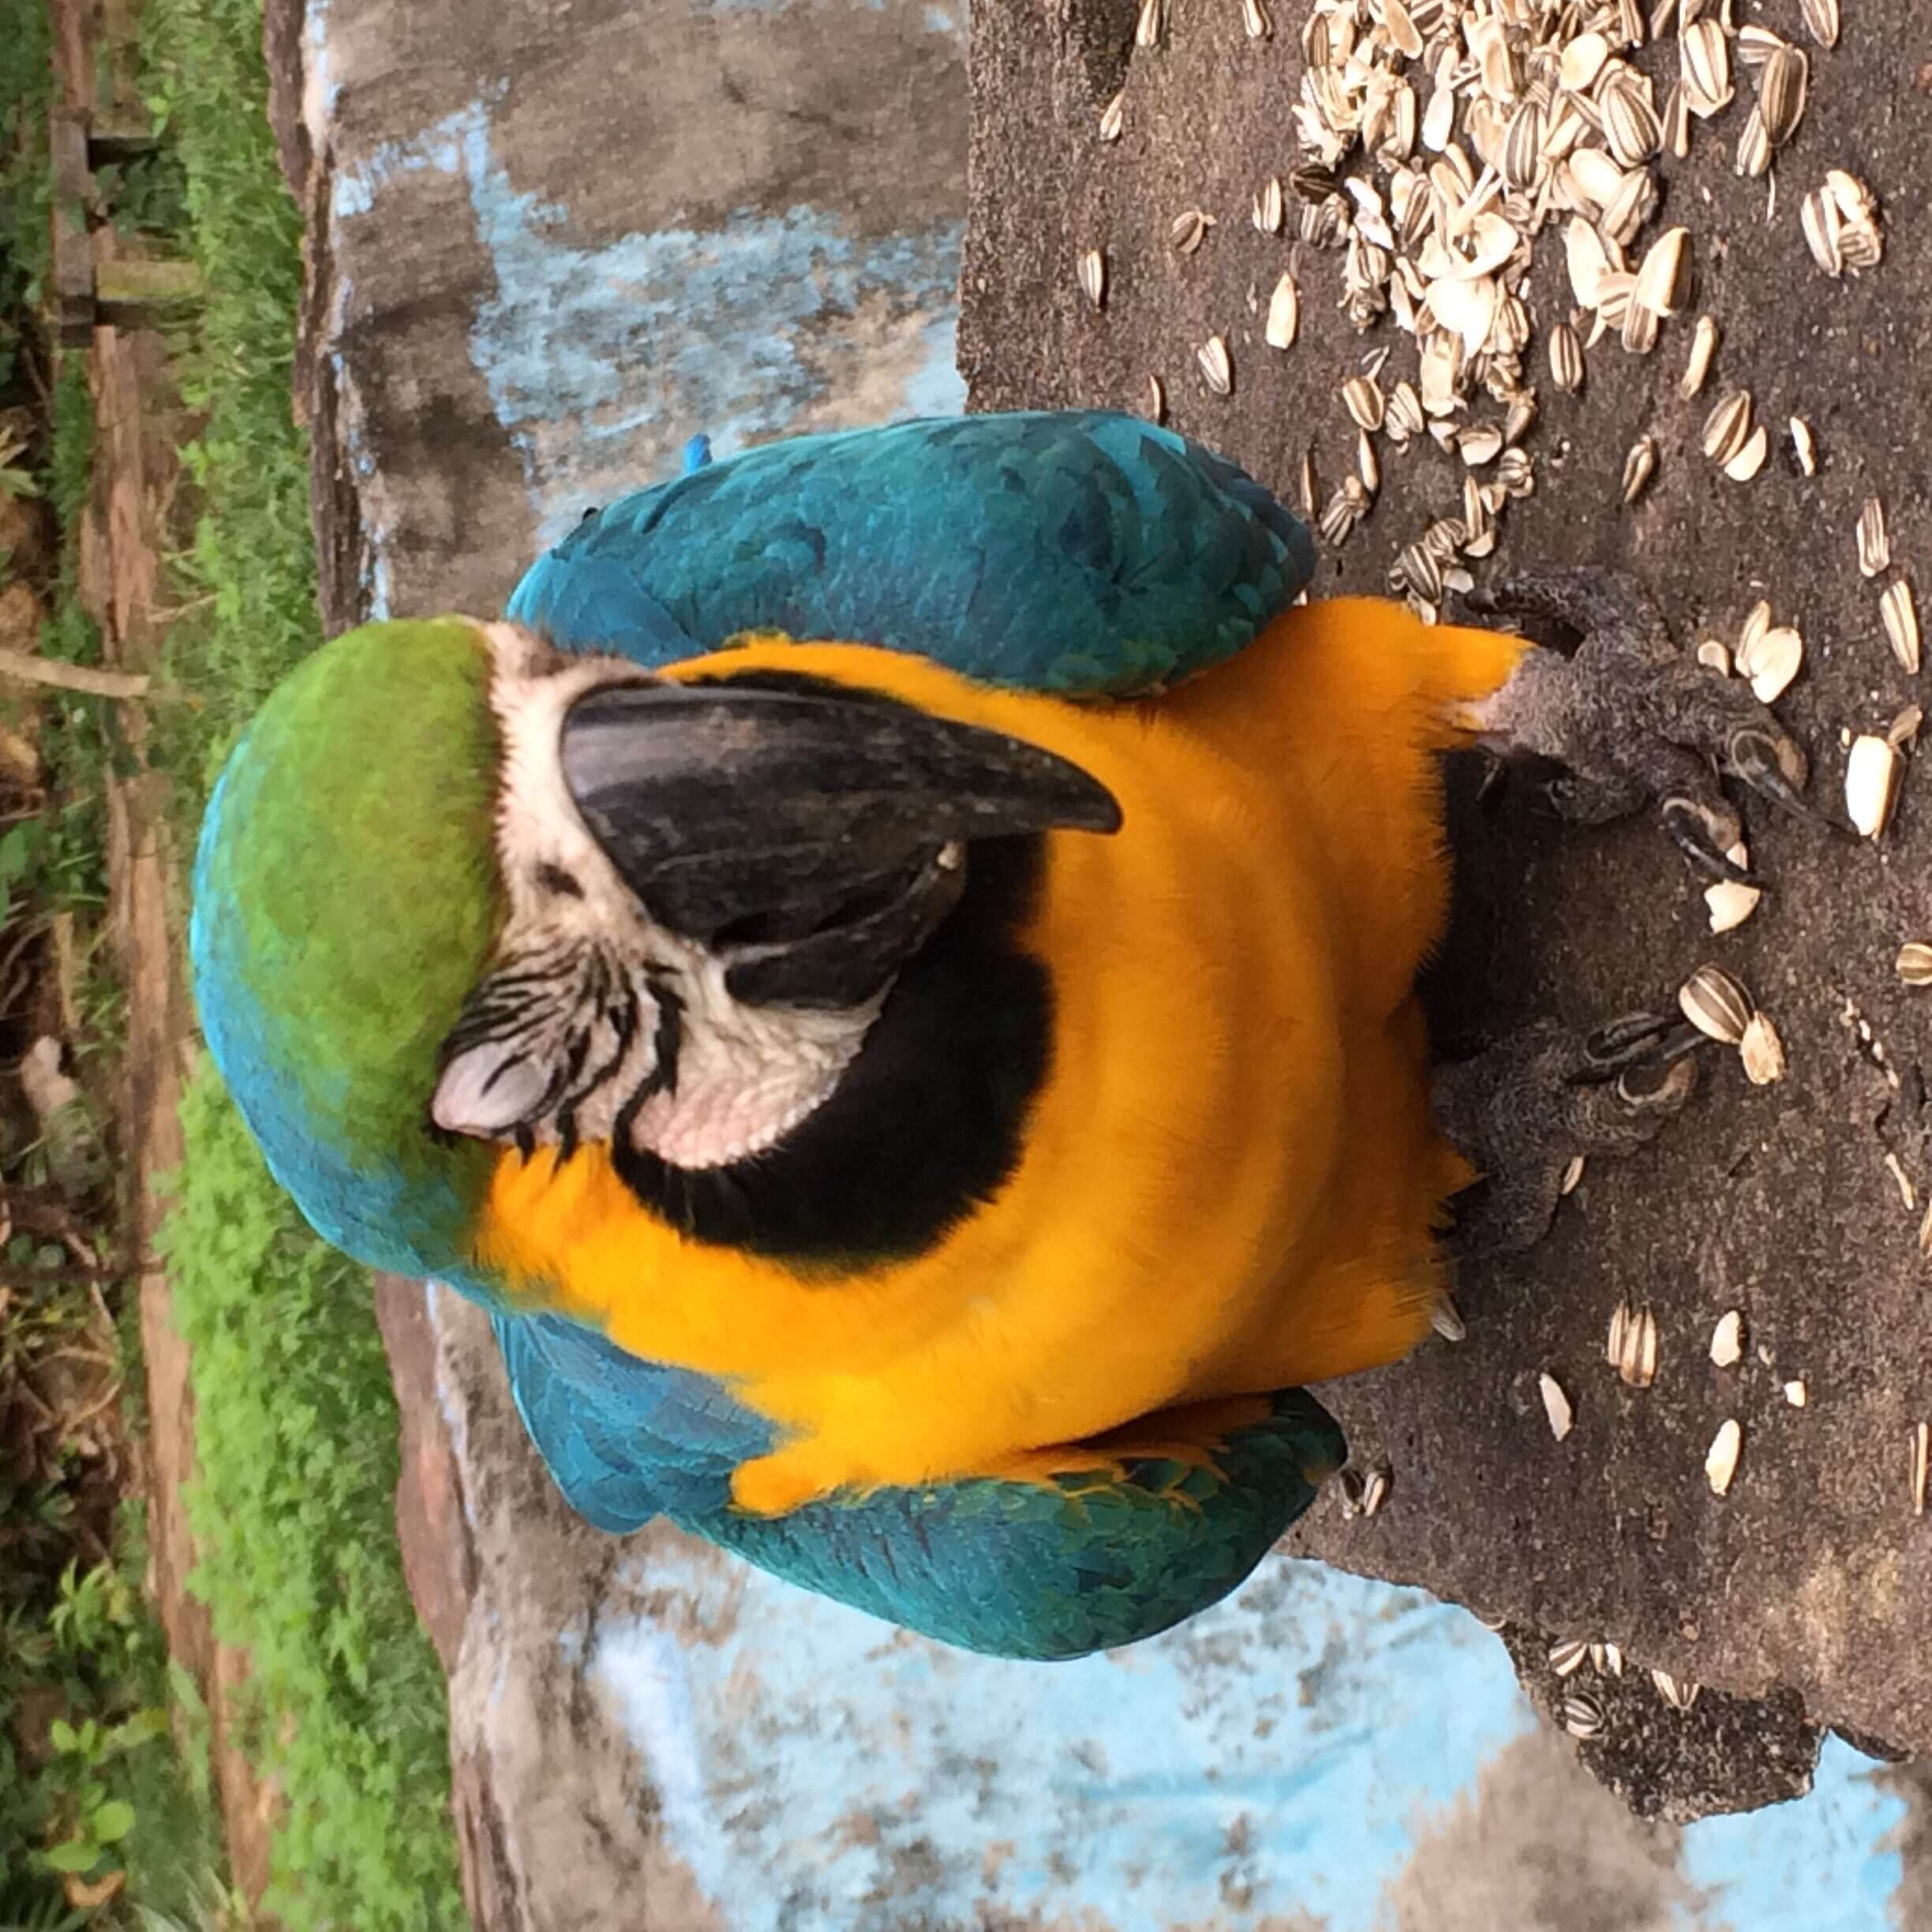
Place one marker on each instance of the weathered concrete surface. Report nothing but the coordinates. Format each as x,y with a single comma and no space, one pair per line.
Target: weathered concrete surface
1812,1575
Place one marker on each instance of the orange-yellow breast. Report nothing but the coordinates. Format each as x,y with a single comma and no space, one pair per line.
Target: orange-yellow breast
1228,1178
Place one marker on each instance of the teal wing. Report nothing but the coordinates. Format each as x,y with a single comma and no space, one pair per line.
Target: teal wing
1043,1571
1077,551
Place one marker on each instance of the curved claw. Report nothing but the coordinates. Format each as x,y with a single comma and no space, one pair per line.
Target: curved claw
1634,1042
1753,755
1690,832
1678,1075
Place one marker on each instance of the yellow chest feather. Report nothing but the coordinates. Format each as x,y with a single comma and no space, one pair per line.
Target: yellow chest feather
1228,1179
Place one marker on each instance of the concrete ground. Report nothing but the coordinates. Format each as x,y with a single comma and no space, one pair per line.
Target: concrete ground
549,244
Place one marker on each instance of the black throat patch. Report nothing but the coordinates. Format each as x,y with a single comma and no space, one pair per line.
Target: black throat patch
926,1123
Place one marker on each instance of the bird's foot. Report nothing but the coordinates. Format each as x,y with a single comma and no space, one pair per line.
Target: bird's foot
1522,1111
1632,721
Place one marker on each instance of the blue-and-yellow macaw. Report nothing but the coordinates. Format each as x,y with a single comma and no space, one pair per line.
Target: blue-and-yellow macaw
890,973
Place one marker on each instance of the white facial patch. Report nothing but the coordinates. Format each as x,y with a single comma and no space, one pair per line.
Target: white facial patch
594,1019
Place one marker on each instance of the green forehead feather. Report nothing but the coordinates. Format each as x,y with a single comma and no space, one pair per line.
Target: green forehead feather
347,893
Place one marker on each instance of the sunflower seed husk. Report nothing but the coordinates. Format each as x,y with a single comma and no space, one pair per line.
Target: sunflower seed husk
1555,1405
1874,547
1189,229
1582,60
1148,23
1093,276
1375,1491
1782,84
1772,661
1631,129
1565,359
1704,56
1714,654
1720,1461
1818,218
1362,397
1639,466
1313,183
1762,1052
1796,1393
1678,1694
1480,443
1902,622
1156,400
1113,117
1368,465
1753,150
1637,1355
1908,1193
1716,1005
1730,902
1756,624
1872,775
1902,734
1568,1654
1703,348
1284,314
1349,1484
1806,444
1582,1715
1728,426
1521,419
1254,17
1310,490
1750,459
1619,1319
1402,30
1921,1457
1608,1658
1914,962
1270,209
1727,1347
1447,1319
1820,19
1216,366
1757,43
1572,1176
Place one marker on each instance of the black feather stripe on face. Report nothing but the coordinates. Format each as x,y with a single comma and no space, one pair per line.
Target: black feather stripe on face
927,1120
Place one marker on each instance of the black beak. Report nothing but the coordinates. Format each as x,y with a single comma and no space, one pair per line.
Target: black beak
812,829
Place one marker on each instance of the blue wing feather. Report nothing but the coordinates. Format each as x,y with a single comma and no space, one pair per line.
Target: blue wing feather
1026,1570
1082,551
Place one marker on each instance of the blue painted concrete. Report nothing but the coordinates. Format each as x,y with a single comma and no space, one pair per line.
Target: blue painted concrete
817,1771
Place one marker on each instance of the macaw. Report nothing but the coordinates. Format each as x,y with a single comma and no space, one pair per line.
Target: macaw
890,973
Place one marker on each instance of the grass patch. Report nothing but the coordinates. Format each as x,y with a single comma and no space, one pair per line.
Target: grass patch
297,1421
297,1433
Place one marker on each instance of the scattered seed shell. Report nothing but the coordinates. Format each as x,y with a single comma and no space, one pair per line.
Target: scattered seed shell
1572,1175
1716,1005
1148,23
1555,1405
1903,732
1093,276
1715,655
1872,775
1762,1052
1637,1352
1662,280
1254,19
1678,1694
1364,400
1749,460
1284,314
1582,1715
1914,962
1375,1491
1875,548
1446,1320
1921,1457
1270,209
1156,400
1216,366
1720,1461
1820,19
1731,902
1796,1393
1774,660
1727,1347
1806,444
1900,614
1704,341
1567,1654
1639,466
1565,359
1728,425
1113,117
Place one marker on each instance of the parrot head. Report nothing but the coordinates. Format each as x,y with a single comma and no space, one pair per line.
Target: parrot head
457,892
